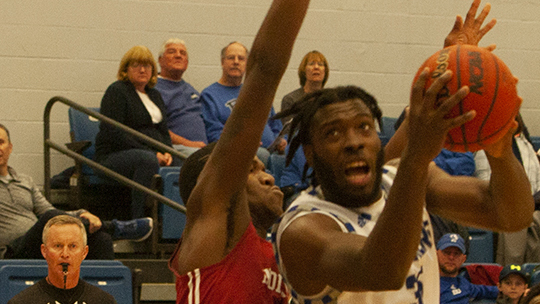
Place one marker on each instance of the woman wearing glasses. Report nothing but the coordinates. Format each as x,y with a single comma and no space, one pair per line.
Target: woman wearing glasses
133,101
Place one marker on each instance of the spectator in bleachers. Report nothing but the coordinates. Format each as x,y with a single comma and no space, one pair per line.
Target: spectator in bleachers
231,201
512,285
24,211
313,73
364,235
64,248
219,99
133,101
182,103
456,289
296,176
522,246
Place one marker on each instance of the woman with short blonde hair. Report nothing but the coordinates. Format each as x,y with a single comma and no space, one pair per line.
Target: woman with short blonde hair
133,101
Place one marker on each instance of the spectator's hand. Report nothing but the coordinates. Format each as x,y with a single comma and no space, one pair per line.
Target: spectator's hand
471,31
95,222
164,159
281,146
428,126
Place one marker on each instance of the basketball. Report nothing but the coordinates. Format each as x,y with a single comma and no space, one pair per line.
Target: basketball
492,93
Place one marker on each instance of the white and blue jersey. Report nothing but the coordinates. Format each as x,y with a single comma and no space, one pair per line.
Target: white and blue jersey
422,283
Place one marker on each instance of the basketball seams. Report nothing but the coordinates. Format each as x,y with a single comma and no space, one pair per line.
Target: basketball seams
486,84
492,104
458,79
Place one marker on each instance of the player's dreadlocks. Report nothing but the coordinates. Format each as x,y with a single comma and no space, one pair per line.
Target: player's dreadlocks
304,110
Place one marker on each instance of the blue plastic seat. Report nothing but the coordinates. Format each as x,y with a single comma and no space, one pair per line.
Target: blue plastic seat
481,246
388,129
114,279
85,128
535,279
173,221
529,267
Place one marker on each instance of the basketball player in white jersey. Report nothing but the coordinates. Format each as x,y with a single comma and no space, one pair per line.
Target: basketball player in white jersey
363,235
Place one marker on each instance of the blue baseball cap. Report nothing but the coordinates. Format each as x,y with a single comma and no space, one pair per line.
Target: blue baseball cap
451,240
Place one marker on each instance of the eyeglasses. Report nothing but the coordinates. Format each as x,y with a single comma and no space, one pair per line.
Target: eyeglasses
313,63
138,65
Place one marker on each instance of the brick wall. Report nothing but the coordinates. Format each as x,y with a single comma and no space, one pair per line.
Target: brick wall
72,48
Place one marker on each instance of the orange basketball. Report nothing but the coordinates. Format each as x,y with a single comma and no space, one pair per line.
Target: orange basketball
493,94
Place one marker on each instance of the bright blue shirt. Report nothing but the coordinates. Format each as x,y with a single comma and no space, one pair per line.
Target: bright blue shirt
459,290
292,174
218,101
183,107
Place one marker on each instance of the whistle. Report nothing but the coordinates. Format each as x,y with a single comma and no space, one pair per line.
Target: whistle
65,271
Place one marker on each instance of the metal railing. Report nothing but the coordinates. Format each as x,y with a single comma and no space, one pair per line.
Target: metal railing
48,144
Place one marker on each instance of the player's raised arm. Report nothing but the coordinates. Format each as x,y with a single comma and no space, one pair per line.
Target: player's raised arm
217,209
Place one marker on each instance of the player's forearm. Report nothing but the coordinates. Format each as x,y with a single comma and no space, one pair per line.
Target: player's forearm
399,229
510,193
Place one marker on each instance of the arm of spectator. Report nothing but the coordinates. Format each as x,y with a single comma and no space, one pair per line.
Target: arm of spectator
471,31
94,221
114,105
179,140
40,203
210,112
484,292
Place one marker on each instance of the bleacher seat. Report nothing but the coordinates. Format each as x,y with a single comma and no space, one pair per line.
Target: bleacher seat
529,268
481,246
170,222
109,275
535,279
106,197
388,129
173,221
84,129
535,140
114,279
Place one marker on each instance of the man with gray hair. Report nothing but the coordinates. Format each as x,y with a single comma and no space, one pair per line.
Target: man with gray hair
219,99
184,113
64,247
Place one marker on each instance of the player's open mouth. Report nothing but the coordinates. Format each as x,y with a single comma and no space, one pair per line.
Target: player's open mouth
357,172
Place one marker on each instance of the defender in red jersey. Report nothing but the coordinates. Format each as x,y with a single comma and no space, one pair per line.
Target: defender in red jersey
231,201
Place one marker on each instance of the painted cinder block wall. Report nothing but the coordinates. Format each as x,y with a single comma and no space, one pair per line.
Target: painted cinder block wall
72,48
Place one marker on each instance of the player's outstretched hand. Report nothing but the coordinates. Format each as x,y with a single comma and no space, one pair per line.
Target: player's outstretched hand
471,32
428,125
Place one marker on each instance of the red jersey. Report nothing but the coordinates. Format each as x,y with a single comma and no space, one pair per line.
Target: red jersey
248,274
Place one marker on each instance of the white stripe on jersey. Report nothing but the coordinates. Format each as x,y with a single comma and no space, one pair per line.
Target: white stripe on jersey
194,288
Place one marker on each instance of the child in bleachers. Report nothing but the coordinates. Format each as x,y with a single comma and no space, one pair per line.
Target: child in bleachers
512,285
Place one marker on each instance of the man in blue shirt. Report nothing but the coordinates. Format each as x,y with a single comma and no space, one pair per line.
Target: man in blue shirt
454,288
219,99
184,110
